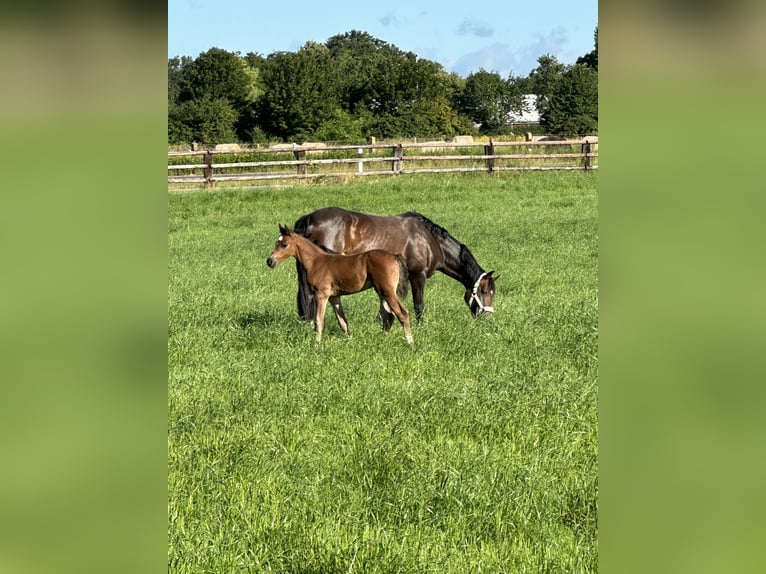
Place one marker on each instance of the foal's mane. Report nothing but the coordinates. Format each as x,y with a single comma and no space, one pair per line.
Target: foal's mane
468,264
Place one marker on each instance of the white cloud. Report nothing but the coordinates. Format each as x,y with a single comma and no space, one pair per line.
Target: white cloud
473,28
504,58
495,58
389,20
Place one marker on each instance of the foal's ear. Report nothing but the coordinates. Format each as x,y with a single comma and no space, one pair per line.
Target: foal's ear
284,230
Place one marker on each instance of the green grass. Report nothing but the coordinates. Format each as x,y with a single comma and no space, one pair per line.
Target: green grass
473,451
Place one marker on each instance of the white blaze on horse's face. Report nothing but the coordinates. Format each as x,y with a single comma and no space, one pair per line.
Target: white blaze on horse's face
278,255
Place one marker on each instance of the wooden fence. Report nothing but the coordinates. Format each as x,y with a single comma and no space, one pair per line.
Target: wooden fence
316,160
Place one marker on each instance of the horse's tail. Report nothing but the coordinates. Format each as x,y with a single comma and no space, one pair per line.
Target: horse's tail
404,276
306,302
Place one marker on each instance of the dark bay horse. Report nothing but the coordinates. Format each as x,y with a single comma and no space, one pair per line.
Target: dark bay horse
425,246
330,275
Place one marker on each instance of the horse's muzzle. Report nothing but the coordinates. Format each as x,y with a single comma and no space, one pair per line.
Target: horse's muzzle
271,263
476,310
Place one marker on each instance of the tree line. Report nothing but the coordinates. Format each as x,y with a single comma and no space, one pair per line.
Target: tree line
355,86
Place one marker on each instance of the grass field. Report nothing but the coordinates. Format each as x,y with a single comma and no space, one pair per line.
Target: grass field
473,451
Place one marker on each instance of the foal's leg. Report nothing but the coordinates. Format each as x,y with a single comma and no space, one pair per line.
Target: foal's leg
321,305
339,314
389,297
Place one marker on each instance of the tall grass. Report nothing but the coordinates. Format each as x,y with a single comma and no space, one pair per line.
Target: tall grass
473,451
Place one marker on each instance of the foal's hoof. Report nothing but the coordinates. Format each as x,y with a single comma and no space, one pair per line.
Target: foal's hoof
409,339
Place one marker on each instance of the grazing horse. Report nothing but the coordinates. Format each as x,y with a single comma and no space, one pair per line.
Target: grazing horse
330,275
425,246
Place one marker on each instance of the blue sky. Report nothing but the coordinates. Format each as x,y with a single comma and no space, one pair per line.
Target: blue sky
500,36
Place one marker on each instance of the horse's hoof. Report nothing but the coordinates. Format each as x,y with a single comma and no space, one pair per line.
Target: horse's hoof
409,339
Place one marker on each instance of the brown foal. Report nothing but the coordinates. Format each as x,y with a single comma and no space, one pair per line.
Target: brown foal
331,275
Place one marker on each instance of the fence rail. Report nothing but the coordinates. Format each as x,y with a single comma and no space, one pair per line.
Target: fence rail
315,161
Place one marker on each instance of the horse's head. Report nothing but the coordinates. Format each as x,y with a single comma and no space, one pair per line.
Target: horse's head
284,247
481,296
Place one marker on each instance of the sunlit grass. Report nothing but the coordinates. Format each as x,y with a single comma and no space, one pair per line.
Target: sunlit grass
474,450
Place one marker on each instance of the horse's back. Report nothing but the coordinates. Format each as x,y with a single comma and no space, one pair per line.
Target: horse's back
351,232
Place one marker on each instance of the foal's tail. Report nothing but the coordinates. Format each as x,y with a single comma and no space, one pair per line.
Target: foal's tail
404,277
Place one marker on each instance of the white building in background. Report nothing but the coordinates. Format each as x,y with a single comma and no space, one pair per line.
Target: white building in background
529,115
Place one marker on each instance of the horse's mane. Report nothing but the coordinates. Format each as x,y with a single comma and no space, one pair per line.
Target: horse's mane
301,224
468,262
436,230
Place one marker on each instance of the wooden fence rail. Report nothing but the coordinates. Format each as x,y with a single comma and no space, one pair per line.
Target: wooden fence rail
313,161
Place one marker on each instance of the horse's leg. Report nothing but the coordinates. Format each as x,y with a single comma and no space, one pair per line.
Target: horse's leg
389,297
385,314
418,283
321,305
337,306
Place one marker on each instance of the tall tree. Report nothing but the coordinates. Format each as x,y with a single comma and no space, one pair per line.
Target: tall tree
591,58
487,100
358,44
205,120
573,106
176,67
216,74
358,57
544,79
300,92
177,131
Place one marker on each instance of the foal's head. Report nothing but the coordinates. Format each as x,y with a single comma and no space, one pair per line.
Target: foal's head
480,298
284,248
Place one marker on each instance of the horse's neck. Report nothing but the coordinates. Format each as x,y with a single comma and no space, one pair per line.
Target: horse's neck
459,262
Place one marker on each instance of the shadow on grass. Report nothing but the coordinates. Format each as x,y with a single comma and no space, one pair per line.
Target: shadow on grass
265,318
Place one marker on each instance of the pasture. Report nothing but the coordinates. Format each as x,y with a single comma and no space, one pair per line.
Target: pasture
473,450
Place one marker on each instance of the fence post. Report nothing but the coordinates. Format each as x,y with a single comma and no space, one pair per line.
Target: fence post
300,155
396,165
586,159
360,165
208,173
490,150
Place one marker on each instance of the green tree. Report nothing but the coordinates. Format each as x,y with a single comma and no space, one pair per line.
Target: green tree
488,100
177,130
218,81
300,92
205,120
544,79
176,67
591,58
573,106
340,127
217,74
359,58
412,97
247,124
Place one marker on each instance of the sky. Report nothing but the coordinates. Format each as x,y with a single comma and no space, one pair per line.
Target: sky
504,36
